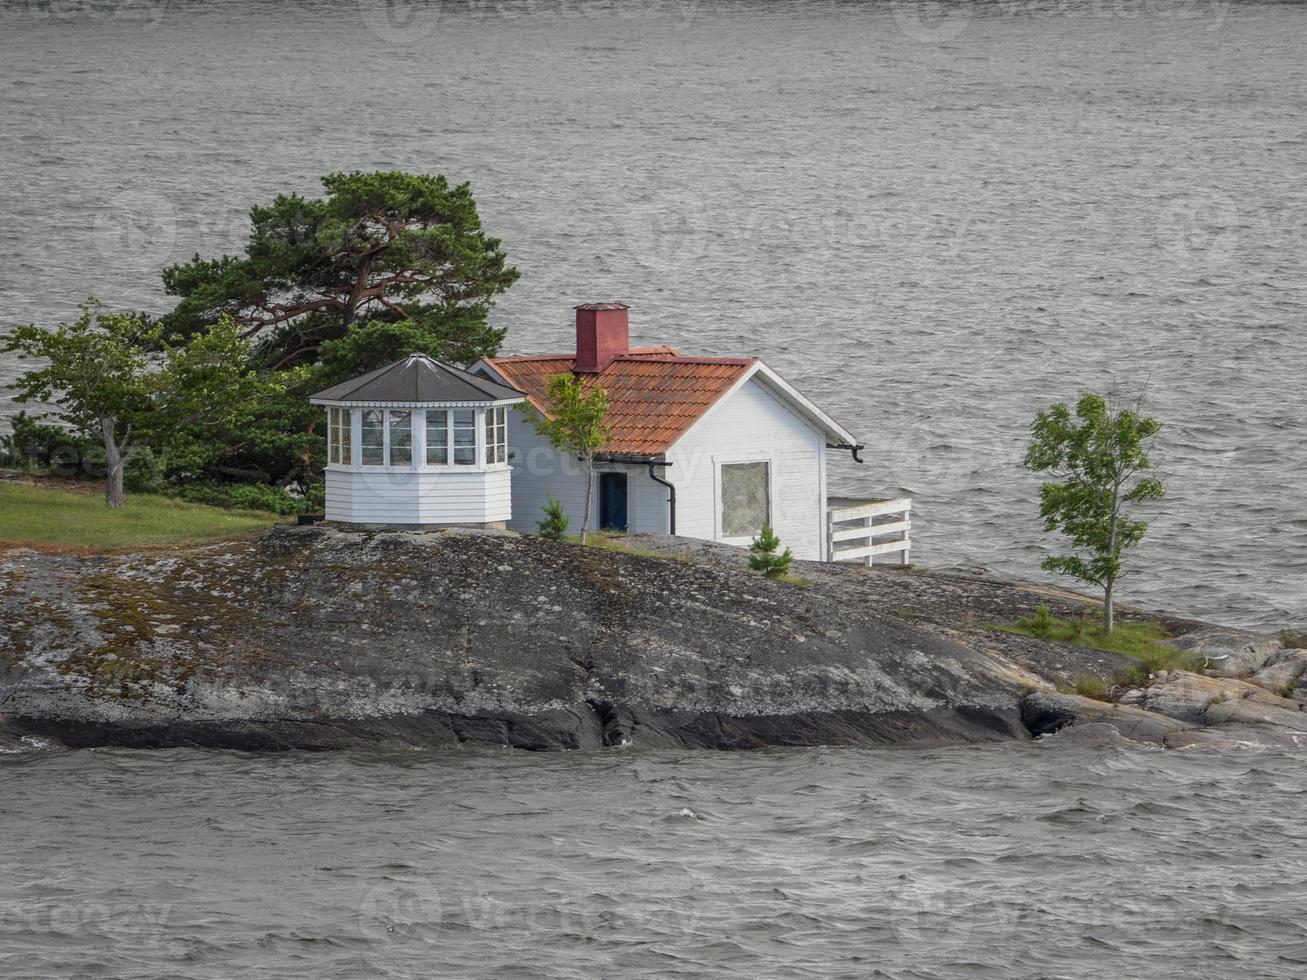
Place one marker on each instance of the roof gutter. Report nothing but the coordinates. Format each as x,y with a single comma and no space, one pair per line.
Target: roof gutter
854,449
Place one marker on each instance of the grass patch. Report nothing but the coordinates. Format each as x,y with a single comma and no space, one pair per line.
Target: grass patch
1088,686
798,580
1142,641
617,541
1293,639
40,517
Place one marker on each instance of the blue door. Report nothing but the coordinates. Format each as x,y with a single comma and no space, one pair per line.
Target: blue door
612,501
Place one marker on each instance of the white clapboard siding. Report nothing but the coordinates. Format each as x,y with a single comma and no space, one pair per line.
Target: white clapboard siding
751,424
446,496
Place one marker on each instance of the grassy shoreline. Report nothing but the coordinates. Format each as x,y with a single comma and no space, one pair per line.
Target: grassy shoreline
1142,641
33,516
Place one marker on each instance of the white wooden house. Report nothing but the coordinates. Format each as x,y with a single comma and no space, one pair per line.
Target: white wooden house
418,443
705,447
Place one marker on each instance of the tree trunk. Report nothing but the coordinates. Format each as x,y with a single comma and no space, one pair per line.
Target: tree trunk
1108,617
589,489
113,477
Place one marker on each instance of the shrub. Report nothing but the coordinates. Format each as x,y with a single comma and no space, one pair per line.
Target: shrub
1077,628
143,471
37,445
254,496
1041,623
763,557
1088,686
554,524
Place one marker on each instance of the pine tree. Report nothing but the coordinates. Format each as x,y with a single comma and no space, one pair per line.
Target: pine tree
763,557
554,524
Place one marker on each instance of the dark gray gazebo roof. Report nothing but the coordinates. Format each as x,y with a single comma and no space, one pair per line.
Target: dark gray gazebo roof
417,380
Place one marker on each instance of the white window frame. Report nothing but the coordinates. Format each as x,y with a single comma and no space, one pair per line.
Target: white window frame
496,435
736,459
486,424
412,442
385,439
449,436
346,419
478,439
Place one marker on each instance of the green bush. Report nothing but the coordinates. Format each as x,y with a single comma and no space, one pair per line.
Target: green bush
763,557
37,445
554,524
1041,624
254,496
1088,686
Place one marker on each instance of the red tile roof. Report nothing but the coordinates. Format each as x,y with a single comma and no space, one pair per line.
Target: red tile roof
654,394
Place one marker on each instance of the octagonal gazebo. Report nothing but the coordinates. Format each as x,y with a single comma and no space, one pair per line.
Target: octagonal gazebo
418,443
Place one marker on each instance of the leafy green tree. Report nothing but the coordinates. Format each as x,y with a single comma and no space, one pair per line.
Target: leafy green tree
390,246
116,376
554,524
763,557
384,265
1098,460
576,422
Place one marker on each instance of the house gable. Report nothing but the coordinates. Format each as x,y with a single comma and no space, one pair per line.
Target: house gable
754,424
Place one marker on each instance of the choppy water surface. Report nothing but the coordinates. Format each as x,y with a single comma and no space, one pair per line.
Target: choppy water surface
1005,862
933,218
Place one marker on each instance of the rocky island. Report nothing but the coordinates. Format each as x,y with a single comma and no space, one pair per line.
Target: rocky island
322,638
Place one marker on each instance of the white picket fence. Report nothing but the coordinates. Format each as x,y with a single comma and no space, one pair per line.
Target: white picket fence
855,527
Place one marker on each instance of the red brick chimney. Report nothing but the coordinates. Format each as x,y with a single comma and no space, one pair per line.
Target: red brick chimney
602,333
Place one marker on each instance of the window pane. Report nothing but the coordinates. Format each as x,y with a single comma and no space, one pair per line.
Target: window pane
437,438
333,435
465,436
499,436
373,437
346,435
745,504
401,438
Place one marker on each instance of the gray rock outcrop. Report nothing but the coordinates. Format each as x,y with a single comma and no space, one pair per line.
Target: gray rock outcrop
1048,712
1228,652
318,638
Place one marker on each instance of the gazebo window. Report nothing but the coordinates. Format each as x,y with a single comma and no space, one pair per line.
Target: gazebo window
497,435
437,437
374,437
453,436
338,436
401,438
465,436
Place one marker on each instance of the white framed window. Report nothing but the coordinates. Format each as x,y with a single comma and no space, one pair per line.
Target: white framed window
437,436
399,447
339,437
465,436
333,435
372,452
745,498
497,435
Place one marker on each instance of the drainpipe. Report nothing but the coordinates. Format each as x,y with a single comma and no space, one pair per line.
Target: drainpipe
671,493
854,449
